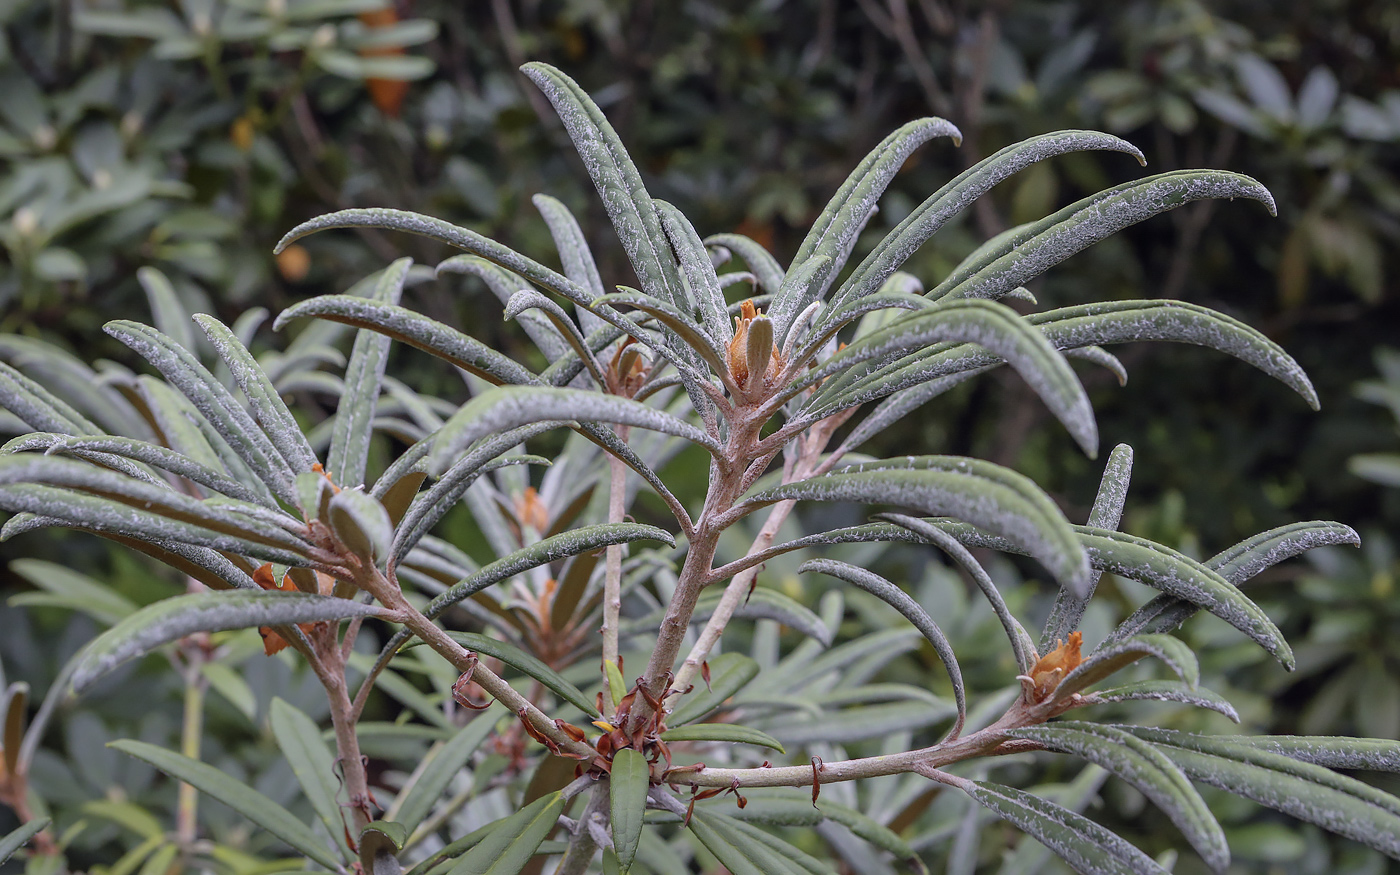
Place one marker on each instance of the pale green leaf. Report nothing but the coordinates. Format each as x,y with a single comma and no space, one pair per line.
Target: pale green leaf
729,673
311,760
726,732
629,780
510,843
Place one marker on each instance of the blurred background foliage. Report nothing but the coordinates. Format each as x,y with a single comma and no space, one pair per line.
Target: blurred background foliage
190,134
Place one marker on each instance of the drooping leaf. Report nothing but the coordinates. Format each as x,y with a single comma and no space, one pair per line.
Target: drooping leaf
311,761
39,408
416,330
1236,565
176,617
510,843
1040,245
1165,691
960,192
1300,789
1020,641
77,591
986,495
1147,769
1105,513
574,253
236,795
364,376
996,327
628,782
160,457
764,266
526,300
1083,844
729,673
507,407
1368,754
727,732
912,611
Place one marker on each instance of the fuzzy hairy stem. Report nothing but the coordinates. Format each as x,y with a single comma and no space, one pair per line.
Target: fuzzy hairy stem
389,595
734,596
991,741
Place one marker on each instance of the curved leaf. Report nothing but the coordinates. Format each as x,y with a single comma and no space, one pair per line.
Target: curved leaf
160,457
574,253
414,329
988,496
1308,792
1165,691
507,407
1031,250
993,326
696,270
173,618
1147,769
1083,844
959,193
629,780
236,795
834,231
215,402
764,266
1370,754
39,408
912,611
441,765
737,850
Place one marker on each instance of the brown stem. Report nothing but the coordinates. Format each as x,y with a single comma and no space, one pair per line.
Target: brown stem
612,572
330,670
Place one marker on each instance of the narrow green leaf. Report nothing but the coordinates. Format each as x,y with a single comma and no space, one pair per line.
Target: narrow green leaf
629,781
1110,658
988,496
729,673
696,270
1040,245
1106,513
1165,691
299,738
176,617
773,851
619,184
529,299
39,408
1147,769
416,330
364,375
1021,645
912,611
236,795
764,266
529,666
269,409
617,687
18,838
834,232
55,506
228,516
736,850
100,602
700,339
1300,789
995,327
727,732
958,194
161,457
574,253
1370,754
512,841
506,407
220,409
440,767
1083,844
